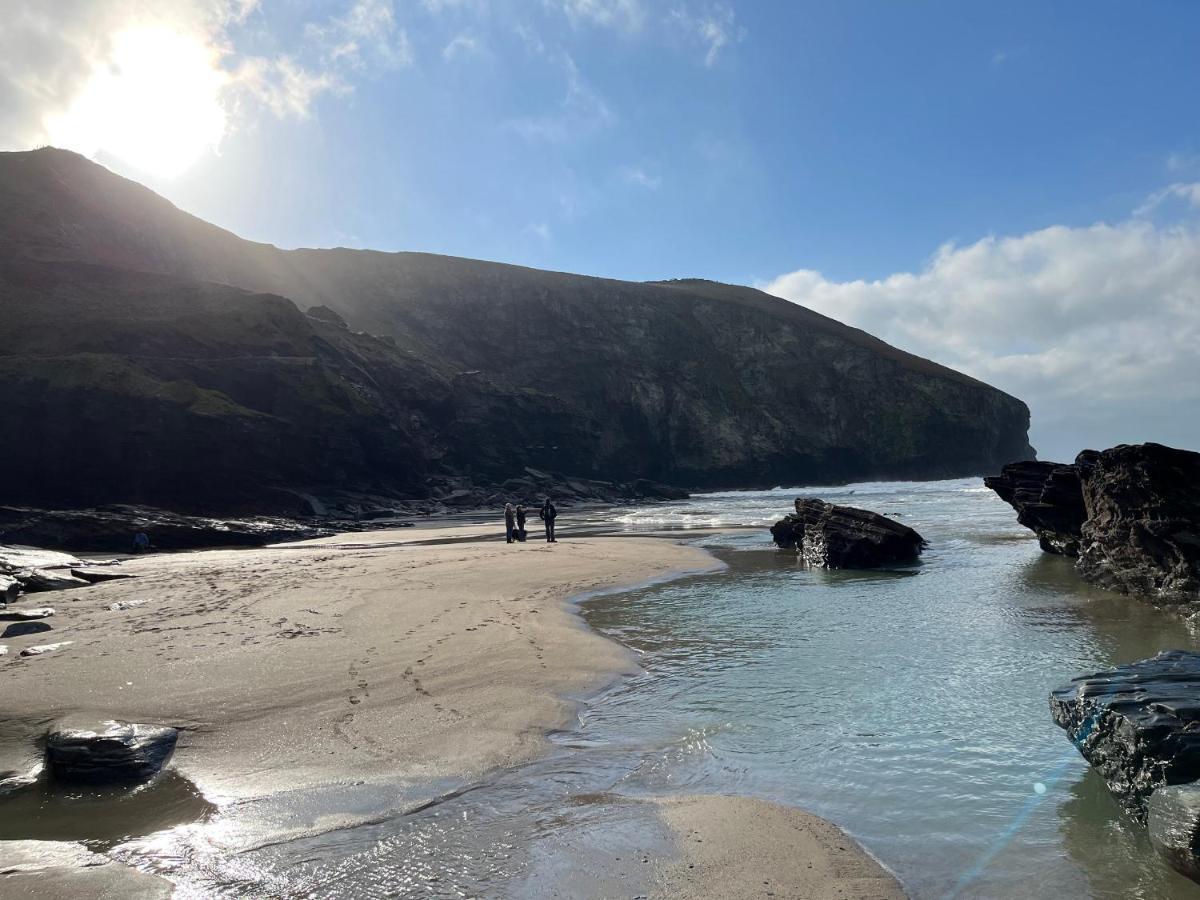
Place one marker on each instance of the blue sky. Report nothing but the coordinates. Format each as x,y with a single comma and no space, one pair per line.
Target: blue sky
928,171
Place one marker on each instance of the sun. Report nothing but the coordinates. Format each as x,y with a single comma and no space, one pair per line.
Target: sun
154,103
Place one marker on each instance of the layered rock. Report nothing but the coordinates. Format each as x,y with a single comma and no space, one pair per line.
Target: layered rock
1138,724
1048,499
112,528
1130,514
108,752
1142,533
829,536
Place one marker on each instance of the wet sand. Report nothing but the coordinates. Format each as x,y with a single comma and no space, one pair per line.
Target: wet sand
375,658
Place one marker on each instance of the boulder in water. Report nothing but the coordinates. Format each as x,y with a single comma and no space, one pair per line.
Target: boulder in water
1048,499
1142,534
1137,724
108,752
1173,823
829,536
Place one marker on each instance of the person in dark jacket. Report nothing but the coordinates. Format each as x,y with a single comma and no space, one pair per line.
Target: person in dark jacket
521,522
548,514
510,515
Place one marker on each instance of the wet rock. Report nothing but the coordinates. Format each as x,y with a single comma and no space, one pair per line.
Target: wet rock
1048,499
108,752
1138,724
1142,534
10,589
45,648
21,629
1173,823
95,576
843,537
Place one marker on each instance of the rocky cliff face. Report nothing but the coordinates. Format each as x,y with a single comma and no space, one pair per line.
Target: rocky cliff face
1129,514
184,365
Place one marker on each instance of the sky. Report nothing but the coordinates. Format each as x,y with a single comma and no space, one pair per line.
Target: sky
1012,189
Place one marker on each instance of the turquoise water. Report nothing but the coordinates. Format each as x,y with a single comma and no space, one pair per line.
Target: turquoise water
908,706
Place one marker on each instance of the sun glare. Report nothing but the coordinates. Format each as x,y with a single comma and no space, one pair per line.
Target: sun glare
155,103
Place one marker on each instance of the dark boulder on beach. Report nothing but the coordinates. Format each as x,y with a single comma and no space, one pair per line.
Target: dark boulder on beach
108,752
1173,825
1142,534
829,536
1048,499
1130,514
1138,724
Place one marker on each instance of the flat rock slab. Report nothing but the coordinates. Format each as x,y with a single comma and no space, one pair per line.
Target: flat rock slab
33,558
1138,724
95,576
20,629
45,648
108,752
1174,826
829,536
35,580
35,612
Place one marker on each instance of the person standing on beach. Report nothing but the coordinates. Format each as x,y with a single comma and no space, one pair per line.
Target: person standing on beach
521,522
548,514
509,524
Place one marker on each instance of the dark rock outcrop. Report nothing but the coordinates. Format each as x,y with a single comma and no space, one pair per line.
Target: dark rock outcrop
1048,499
1130,514
1173,824
844,537
1142,534
111,529
153,358
108,752
1137,724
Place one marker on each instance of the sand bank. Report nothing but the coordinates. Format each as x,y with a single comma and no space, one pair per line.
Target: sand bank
375,658
365,656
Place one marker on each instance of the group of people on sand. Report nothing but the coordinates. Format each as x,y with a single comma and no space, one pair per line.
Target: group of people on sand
514,521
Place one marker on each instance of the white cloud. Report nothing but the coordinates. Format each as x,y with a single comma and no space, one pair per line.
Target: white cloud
1183,162
1097,328
626,15
639,177
367,34
714,28
1187,192
461,46
539,229
581,113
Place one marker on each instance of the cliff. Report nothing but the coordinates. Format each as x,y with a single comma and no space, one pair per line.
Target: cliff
151,356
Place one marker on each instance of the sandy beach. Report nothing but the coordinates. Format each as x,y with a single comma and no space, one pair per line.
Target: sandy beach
381,658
